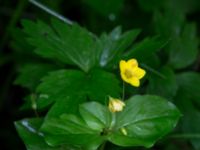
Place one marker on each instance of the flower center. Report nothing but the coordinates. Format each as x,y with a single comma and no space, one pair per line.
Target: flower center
128,74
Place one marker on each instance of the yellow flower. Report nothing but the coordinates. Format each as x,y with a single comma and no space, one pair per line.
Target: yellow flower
130,72
115,105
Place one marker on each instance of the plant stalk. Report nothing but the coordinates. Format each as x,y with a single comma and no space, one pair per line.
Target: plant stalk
51,12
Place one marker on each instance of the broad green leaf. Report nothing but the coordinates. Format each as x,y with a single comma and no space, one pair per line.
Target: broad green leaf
153,62
68,44
19,43
101,84
152,65
145,49
114,44
146,119
66,105
69,129
28,130
184,48
66,123
71,87
31,74
168,24
164,86
189,84
95,115
60,86
183,44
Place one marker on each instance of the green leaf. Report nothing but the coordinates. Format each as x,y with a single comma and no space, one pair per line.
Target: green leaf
69,129
66,105
184,48
164,86
31,74
60,86
168,24
84,131
19,43
114,44
101,84
68,44
146,119
145,49
98,118
28,130
189,85
183,44
68,88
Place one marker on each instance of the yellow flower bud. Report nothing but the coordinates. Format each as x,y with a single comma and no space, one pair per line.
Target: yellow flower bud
115,105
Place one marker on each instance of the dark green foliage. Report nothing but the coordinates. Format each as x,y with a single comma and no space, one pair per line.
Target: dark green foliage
114,44
68,44
184,48
63,84
189,84
143,117
29,132
104,7
165,85
68,74
30,74
146,119
67,90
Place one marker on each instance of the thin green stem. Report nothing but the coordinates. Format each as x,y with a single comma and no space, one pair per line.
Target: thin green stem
153,71
51,12
113,115
34,104
186,136
16,15
123,91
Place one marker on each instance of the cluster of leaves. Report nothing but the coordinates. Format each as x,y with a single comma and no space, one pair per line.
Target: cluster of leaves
182,83
73,66
63,67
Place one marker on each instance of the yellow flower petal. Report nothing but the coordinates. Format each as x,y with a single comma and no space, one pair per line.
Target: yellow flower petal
122,65
134,81
132,63
125,75
139,72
